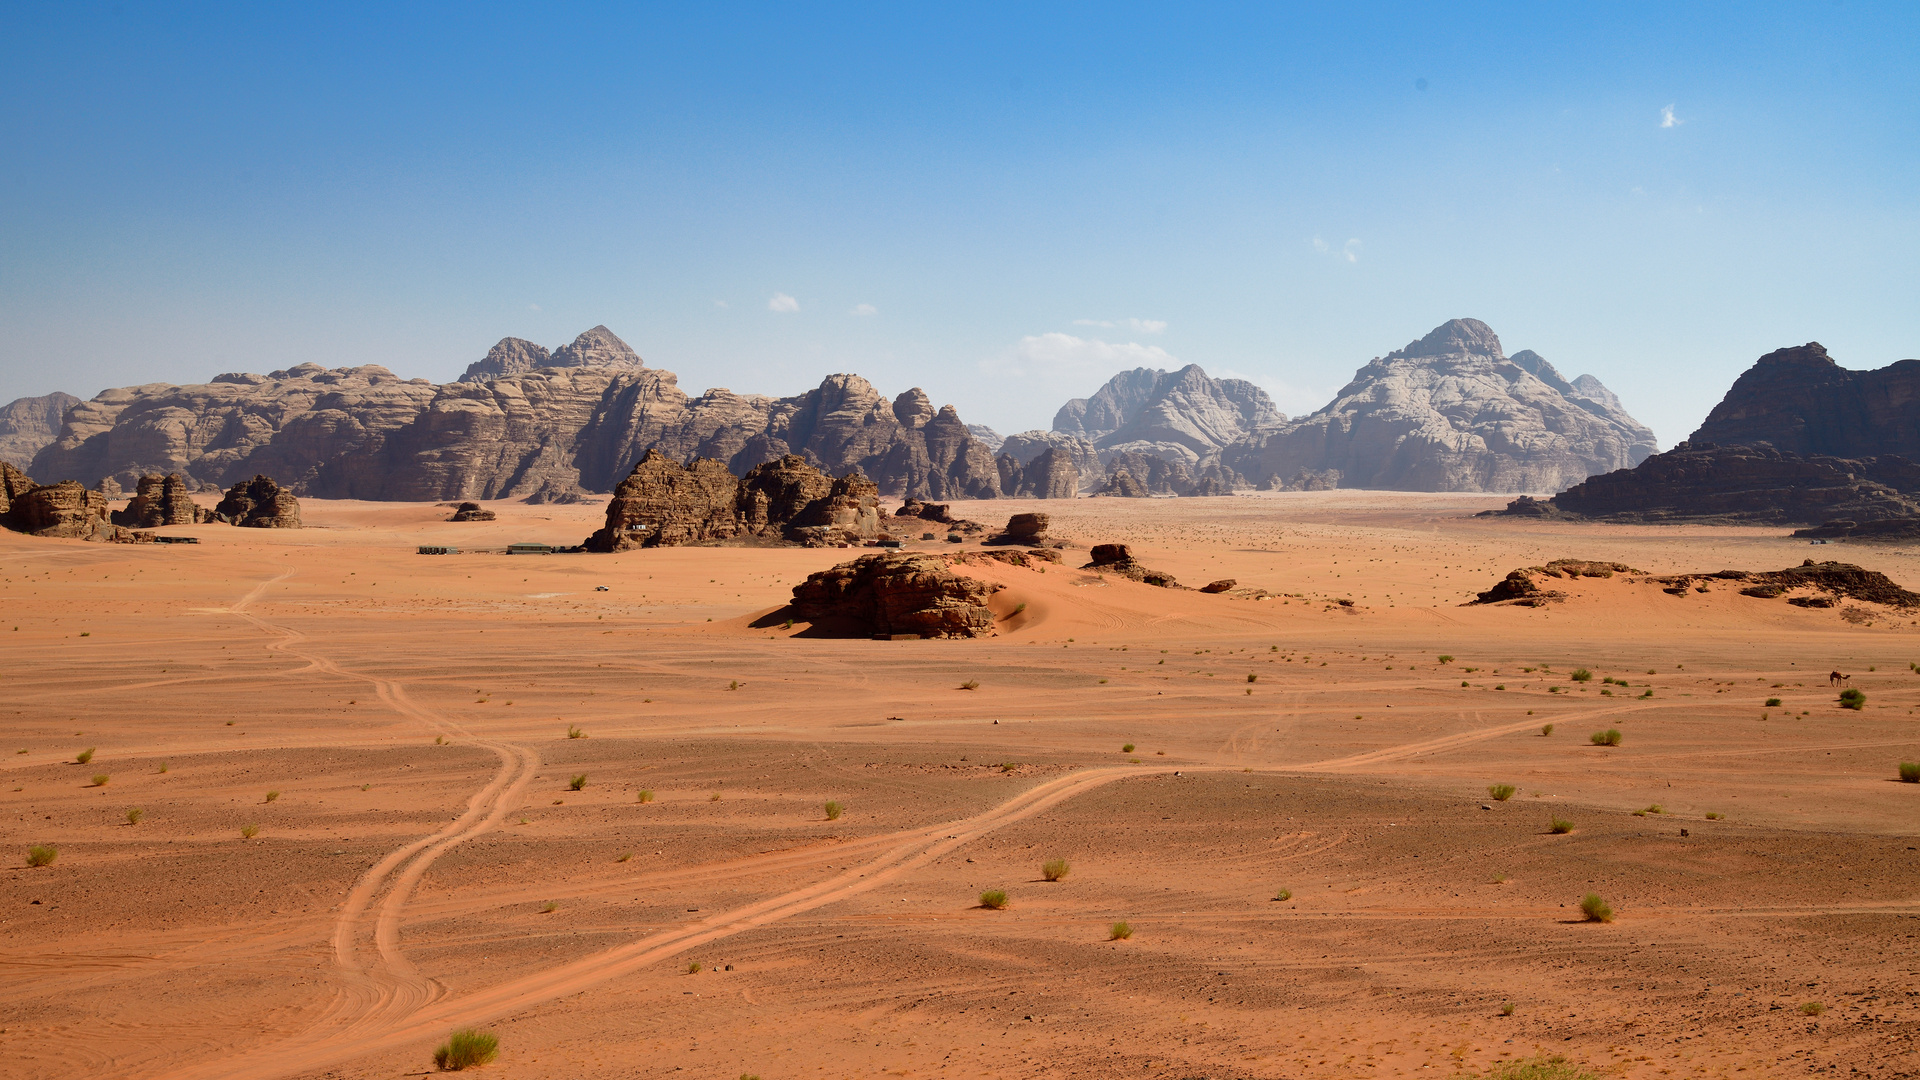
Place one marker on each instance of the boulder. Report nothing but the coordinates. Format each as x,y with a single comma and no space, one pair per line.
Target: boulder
159,501
894,594
1223,585
471,511
259,503
1027,529
1117,559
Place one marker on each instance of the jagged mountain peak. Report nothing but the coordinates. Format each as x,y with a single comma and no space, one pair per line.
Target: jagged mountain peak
1454,337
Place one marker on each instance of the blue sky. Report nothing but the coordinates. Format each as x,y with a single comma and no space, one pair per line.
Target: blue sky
1003,205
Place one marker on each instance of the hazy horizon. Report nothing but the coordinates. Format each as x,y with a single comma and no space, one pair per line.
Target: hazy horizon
1002,206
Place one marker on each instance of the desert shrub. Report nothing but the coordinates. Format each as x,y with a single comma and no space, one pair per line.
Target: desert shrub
625,856
646,795
1445,658
1596,909
1812,1008
1714,815
272,795
549,907
466,1048
249,830
1656,808
1126,748
1253,678
1609,737
579,781
1559,825
715,797
1773,703
1506,1009
84,756
134,814
1581,675
695,968
1055,869
163,766
994,899
439,740
42,855
1283,894
834,810
1119,931
733,684
1501,792
1852,699
1910,772
1541,1068
1546,729
574,732
100,779
970,684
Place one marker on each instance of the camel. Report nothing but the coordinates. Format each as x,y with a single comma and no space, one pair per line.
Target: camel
1836,679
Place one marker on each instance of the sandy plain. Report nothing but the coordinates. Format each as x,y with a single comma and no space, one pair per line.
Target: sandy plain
426,863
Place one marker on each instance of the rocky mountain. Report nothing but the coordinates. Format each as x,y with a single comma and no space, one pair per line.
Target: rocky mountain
1450,412
576,421
1798,400
27,424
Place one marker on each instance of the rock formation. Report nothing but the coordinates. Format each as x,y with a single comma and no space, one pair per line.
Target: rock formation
471,511
988,437
1521,588
1816,585
1179,415
160,501
1450,412
66,509
894,595
28,424
1028,445
663,503
259,503
13,484
1799,401
1027,529
1117,559
598,347
1050,475
1132,474
1750,484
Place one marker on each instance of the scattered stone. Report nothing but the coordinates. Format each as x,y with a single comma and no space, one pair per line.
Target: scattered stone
891,594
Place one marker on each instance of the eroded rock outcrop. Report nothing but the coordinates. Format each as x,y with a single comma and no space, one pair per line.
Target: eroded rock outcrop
66,510
890,595
159,501
471,511
1811,584
13,484
29,424
259,503
664,503
1118,560
1179,415
1522,587
1799,401
1050,475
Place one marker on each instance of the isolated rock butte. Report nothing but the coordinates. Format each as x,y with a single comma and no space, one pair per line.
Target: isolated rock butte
66,509
894,594
663,503
259,503
1117,559
470,511
28,424
1450,412
159,501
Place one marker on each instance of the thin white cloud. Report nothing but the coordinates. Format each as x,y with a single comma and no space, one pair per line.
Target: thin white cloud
1667,119
1056,353
865,309
533,307
719,303
783,303
1138,326
1347,252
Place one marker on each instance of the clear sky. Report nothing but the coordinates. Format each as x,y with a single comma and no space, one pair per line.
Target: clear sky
1003,205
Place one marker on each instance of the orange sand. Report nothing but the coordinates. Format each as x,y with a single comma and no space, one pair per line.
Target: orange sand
412,713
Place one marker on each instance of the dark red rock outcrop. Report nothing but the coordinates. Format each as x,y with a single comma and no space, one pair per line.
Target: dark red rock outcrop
66,509
259,503
1117,559
1521,588
894,594
471,511
1829,582
1798,400
160,501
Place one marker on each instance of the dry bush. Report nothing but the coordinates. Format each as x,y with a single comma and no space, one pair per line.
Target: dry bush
1501,792
1596,909
42,855
466,1048
1910,772
574,732
1609,737
1120,931
1559,826
646,795
84,756
134,814
994,899
579,781
834,810
249,830
1055,869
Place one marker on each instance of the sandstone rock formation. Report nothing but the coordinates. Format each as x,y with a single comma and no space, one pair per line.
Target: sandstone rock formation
1799,401
1180,415
1752,484
160,501
1133,474
259,503
1024,447
663,503
471,511
28,424
1027,529
1450,412
988,437
13,484
1521,588
892,595
1818,584
1117,559
66,509
1050,475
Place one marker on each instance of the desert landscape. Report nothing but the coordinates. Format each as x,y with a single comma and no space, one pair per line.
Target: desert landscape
319,800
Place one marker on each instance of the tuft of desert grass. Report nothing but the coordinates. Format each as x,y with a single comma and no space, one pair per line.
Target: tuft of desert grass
1545,729
1283,894
1446,658
579,781
1773,703
1714,815
134,814
624,856
84,756
1501,792
100,779
695,968
1055,869
1120,931
42,855
1506,1009
1812,1008
272,795
715,797
1581,675
646,795
574,732
439,740
1910,772
1559,825
970,684
1609,737
249,830
994,899
549,908
1126,748
163,766
834,810
1596,909
1543,1067
733,684
465,1049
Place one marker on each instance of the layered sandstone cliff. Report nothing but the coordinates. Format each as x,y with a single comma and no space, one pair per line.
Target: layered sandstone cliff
28,424
663,503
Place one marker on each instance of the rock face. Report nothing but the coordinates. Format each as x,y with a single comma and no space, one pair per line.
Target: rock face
1450,412
1799,401
28,424
894,594
13,484
259,503
1023,448
160,501
66,509
1050,475
988,437
1753,484
1131,474
663,503
523,424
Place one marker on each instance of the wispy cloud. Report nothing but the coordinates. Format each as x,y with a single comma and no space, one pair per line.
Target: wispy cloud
865,309
1667,119
1057,353
1138,326
533,307
719,303
783,303
1347,252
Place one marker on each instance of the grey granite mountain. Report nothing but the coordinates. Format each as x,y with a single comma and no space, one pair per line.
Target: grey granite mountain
577,420
27,424
1178,415
988,437
1450,412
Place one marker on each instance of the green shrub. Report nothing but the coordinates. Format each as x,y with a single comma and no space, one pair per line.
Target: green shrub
834,810
1609,737
134,814
1506,1009
1126,748
695,968
994,899
625,856
549,907
42,855
1559,825
100,779
1119,931
646,794
1812,1008
1283,894
466,1048
1910,772
1546,729
579,781
1581,675
249,830
1253,678
1445,658
272,795
1596,909
1055,869
84,756
1714,815
1541,1068
1501,792
1773,703
733,684
574,732
1852,699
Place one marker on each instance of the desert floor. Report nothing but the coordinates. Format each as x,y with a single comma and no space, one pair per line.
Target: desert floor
428,864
